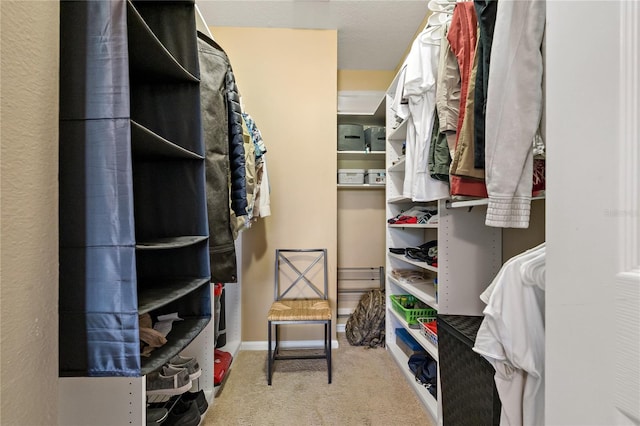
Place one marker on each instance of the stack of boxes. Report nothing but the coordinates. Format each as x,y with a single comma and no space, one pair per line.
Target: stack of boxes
353,137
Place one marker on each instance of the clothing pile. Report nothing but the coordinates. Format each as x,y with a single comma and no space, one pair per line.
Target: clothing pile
416,215
427,252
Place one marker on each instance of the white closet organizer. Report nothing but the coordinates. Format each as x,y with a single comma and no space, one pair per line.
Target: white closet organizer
469,255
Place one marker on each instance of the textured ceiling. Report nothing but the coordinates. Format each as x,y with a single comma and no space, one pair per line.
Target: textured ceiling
372,34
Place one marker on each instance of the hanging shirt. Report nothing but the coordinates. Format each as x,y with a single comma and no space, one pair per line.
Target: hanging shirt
511,337
420,91
514,109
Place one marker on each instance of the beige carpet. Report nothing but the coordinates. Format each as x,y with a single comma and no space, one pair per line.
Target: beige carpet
367,389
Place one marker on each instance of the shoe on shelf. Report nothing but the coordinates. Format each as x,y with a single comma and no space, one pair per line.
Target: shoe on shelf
156,416
190,363
183,413
199,398
171,381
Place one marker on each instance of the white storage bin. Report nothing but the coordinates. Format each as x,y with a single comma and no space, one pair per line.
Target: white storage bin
353,176
376,176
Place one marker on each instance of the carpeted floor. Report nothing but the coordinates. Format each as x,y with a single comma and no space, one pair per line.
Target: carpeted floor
367,389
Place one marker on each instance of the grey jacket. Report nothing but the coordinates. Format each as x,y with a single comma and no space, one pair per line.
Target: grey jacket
214,66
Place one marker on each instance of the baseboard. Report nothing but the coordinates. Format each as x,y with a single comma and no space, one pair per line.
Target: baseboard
340,328
289,344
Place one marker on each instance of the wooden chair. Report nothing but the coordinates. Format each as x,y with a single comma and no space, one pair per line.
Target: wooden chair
303,299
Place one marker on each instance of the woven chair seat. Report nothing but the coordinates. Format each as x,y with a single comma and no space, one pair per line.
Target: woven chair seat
300,310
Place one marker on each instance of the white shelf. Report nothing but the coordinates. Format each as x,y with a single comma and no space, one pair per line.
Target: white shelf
425,292
416,334
399,133
398,166
398,200
414,225
430,403
360,186
361,155
423,265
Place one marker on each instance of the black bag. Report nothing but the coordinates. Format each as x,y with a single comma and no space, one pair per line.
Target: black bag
365,326
425,370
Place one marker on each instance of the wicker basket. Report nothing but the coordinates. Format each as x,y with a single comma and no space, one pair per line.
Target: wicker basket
411,315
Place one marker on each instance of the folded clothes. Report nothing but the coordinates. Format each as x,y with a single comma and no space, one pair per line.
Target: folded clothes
397,250
427,252
411,276
416,214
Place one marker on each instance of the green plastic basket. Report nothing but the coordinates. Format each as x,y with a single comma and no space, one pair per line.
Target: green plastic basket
411,315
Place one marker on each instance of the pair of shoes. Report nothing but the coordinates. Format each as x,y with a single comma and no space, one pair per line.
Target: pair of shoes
168,381
190,363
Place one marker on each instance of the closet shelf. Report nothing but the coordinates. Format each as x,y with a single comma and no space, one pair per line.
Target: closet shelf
361,155
414,225
149,59
398,166
423,394
148,144
425,292
416,334
153,294
399,133
423,265
359,186
171,242
181,335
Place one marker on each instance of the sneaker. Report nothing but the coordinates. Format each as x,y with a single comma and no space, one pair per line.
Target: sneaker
183,413
190,363
156,416
199,398
171,381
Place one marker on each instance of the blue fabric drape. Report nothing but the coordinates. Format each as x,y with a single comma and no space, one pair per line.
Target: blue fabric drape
98,312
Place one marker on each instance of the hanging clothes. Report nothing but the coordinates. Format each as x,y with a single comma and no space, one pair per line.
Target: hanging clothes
514,109
213,69
448,91
260,199
463,38
420,91
486,15
512,337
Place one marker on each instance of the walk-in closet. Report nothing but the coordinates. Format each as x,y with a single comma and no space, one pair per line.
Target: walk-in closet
473,176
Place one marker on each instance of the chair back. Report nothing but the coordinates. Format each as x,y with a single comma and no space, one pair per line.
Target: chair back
301,274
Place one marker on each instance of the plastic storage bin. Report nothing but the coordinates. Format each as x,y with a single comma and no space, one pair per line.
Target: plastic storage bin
407,343
351,176
469,395
376,176
411,308
350,137
374,138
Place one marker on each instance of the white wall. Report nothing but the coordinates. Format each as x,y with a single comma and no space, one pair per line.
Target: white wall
29,212
584,136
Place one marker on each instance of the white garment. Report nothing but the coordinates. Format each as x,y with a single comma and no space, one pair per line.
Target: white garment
420,91
265,191
398,105
514,109
511,338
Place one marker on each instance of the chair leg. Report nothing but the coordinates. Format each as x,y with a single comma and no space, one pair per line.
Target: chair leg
269,358
327,333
